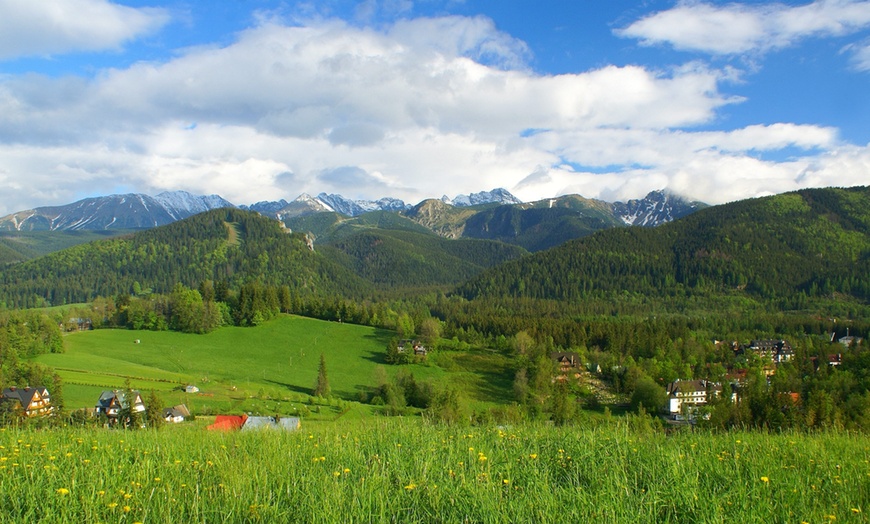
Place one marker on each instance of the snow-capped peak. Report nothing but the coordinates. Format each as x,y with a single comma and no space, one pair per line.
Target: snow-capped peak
498,195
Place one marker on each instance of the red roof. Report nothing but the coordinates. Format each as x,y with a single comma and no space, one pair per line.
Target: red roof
228,423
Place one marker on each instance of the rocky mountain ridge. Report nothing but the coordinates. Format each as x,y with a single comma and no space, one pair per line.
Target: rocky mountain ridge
445,216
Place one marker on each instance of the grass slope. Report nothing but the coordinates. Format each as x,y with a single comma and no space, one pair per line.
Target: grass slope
257,369
394,470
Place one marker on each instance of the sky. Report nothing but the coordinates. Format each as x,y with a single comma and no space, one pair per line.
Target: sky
258,100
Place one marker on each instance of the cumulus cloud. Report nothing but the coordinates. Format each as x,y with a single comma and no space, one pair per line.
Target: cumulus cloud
328,106
739,28
42,28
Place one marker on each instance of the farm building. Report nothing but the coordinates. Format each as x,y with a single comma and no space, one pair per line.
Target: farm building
246,423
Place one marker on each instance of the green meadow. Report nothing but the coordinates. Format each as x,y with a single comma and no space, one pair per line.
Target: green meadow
400,469
269,369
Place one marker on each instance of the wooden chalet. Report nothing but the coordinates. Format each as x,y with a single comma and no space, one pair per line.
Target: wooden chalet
30,401
111,403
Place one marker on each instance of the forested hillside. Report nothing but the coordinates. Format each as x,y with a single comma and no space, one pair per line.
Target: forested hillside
226,245
409,259
798,245
18,246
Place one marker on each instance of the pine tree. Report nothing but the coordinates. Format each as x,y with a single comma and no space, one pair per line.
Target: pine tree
321,387
154,411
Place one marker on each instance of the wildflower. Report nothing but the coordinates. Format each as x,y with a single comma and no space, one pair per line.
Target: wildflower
127,509
347,470
336,473
765,479
62,491
533,456
112,505
411,487
856,510
506,482
101,493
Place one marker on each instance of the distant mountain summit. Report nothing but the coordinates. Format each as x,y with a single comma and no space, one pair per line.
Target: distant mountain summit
496,196
354,208
658,207
131,211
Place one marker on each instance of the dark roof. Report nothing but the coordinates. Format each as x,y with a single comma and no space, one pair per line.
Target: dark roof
107,398
24,396
686,386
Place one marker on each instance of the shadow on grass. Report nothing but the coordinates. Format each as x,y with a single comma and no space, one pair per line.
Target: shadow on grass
291,387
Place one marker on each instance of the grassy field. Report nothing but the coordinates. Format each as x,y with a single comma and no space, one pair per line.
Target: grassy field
267,369
402,470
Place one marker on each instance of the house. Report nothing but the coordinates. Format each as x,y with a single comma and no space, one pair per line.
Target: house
778,351
33,402
190,388
417,346
686,395
849,340
77,324
111,403
566,360
175,414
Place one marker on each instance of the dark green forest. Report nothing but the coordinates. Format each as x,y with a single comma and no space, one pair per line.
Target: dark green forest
642,306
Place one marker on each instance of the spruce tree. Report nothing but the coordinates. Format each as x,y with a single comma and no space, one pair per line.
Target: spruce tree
321,387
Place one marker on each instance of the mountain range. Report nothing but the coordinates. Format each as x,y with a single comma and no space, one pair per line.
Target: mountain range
791,247
492,215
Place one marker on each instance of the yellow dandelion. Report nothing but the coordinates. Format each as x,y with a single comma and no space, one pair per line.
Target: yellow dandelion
347,470
156,479
62,491
506,482
112,505
533,456
127,509
128,496
336,473
765,479
411,487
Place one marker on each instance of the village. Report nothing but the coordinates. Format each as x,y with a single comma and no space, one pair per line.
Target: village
686,398
126,409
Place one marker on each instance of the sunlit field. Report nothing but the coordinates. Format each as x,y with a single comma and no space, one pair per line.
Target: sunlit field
404,470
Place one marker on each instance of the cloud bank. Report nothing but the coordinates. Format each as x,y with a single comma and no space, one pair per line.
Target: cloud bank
416,109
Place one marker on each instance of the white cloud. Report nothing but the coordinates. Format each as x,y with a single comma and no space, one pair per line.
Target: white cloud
368,113
45,28
739,28
860,56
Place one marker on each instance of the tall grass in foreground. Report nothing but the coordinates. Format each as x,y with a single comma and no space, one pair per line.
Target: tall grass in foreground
390,470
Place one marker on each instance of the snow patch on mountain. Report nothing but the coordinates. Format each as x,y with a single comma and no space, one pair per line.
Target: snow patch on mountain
658,207
496,196
353,208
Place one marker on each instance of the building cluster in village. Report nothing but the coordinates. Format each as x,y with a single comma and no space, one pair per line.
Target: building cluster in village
33,402
686,396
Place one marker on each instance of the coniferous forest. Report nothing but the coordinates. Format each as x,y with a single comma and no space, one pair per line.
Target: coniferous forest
643,306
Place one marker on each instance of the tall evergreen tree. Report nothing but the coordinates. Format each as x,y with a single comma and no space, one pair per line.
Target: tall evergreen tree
321,386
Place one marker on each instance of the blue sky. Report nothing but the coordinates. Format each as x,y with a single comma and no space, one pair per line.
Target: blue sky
261,100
